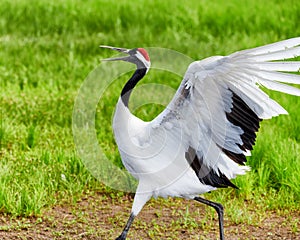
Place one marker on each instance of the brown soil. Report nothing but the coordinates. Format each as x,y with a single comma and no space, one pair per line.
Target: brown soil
103,217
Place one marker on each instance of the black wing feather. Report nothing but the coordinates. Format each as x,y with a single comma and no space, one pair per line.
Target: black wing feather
242,116
205,175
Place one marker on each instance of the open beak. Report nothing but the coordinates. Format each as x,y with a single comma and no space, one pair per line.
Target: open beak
122,50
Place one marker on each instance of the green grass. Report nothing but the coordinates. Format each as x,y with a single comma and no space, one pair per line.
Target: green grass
48,48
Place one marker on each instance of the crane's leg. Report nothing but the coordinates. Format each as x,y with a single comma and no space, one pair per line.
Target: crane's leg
126,228
219,208
140,198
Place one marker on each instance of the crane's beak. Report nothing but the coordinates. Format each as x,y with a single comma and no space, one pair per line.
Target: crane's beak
122,50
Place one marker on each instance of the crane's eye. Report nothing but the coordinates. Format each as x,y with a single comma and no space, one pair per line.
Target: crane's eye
132,51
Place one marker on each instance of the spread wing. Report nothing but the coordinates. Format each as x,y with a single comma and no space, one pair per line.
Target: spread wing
218,107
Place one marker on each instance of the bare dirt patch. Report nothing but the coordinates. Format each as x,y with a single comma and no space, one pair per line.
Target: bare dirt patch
102,217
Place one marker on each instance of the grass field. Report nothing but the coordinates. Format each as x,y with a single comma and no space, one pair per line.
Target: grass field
47,49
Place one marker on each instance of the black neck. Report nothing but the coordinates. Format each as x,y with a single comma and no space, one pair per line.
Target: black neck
136,77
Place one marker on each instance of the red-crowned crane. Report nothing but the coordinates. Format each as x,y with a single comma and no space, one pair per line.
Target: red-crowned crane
199,142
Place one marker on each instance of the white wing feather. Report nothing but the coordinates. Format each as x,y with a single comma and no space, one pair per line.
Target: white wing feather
205,98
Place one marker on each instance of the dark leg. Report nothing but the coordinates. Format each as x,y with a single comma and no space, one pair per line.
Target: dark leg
126,228
219,209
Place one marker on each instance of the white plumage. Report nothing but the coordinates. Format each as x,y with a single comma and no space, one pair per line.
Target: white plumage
199,142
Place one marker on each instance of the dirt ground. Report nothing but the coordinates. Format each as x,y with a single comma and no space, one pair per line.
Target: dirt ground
103,217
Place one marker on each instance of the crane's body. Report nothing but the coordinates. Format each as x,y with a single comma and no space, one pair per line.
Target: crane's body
201,140
160,170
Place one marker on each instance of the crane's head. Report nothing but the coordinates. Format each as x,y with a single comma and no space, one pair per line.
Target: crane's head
138,56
